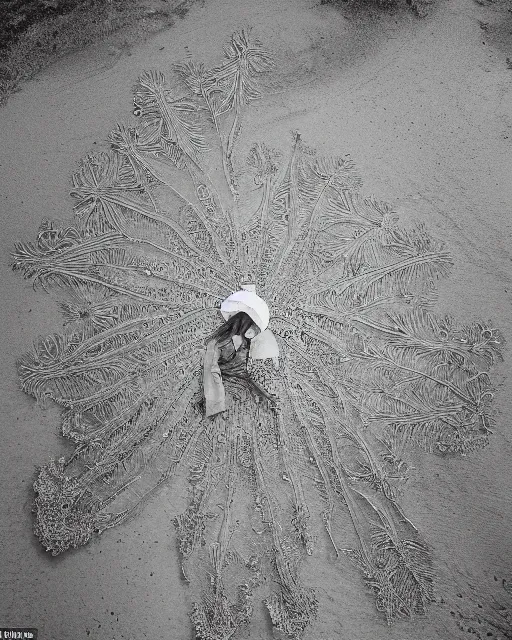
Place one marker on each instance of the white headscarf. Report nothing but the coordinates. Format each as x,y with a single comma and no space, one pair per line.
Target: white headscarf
250,303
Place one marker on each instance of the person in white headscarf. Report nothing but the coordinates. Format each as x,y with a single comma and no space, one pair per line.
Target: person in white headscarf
244,335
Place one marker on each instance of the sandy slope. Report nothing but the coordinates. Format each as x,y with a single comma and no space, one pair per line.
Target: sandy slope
425,109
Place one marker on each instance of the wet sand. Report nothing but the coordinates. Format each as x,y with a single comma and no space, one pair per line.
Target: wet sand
424,107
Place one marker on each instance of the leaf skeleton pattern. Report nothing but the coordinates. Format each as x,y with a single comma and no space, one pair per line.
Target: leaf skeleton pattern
367,371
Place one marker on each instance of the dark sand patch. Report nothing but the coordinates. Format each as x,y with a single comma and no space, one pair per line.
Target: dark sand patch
42,35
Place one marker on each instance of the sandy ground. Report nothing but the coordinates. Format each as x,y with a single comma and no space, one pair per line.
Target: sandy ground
425,109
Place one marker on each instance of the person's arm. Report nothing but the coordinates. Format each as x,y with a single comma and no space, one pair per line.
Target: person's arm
214,394
272,400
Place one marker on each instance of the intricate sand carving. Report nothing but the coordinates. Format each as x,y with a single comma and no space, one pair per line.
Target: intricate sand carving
367,368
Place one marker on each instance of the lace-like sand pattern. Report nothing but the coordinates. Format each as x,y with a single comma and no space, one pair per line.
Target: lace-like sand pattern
168,223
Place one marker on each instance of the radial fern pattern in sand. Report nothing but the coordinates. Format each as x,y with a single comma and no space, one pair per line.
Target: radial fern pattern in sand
168,223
